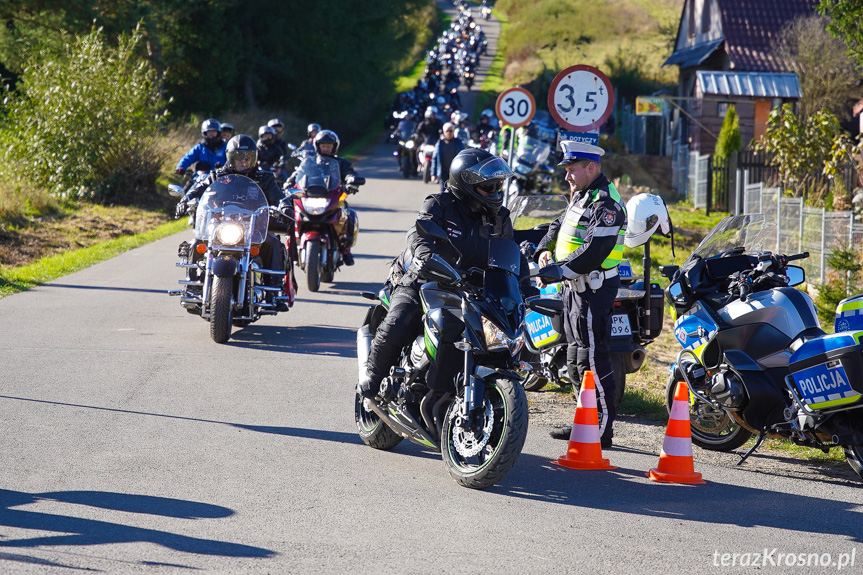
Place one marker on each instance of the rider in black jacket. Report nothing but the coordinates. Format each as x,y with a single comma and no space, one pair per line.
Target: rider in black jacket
471,212
241,155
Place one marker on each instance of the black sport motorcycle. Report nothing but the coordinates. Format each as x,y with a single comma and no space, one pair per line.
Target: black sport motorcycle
480,429
754,355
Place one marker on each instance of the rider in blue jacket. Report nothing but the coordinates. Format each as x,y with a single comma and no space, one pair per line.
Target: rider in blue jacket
210,150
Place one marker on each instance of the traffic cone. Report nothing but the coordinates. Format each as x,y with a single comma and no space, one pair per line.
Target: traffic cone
675,460
584,450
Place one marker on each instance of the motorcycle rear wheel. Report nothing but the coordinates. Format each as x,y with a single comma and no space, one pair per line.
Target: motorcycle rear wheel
221,310
716,432
313,266
854,456
373,431
497,444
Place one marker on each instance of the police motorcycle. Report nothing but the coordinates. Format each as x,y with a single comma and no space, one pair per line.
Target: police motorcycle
754,355
225,283
322,216
481,427
534,170
638,308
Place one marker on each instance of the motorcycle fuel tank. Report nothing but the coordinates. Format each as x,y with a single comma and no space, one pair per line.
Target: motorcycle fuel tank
787,309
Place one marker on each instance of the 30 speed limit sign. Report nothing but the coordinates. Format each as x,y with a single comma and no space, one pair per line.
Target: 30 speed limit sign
581,98
515,107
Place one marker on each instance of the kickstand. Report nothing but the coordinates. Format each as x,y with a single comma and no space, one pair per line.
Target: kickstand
758,443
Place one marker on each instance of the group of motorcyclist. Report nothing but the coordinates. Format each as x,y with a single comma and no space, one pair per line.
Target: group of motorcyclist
263,162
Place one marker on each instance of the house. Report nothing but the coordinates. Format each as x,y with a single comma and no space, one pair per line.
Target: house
724,52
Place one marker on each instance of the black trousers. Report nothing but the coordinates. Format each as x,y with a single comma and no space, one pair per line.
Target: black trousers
587,323
402,323
273,257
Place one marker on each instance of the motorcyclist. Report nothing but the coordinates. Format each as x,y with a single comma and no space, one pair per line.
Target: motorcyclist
309,144
269,154
431,126
227,132
459,120
326,144
279,127
211,149
471,211
241,156
587,243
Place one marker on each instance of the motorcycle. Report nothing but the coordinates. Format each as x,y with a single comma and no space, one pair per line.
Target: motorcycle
533,171
754,355
323,218
225,283
486,10
636,321
424,157
479,430
406,152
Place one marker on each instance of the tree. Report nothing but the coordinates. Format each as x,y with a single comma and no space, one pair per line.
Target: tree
826,72
797,147
845,17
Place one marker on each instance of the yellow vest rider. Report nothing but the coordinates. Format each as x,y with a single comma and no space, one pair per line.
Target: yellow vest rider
587,243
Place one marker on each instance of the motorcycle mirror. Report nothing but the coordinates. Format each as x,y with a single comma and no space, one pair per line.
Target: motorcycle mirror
796,275
675,290
668,271
291,146
370,295
549,274
175,190
429,229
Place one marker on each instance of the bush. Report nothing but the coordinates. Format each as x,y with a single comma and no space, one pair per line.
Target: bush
83,122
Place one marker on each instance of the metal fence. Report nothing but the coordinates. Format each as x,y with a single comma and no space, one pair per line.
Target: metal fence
801,228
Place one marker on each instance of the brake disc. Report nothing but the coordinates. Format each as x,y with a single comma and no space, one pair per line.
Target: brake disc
469,442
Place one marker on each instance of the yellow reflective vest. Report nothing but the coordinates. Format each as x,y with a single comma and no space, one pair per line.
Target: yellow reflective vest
573,229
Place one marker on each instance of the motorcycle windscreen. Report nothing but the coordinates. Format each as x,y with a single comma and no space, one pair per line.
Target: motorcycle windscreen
318,175
752,232
233,198
532,151
502,286
527,212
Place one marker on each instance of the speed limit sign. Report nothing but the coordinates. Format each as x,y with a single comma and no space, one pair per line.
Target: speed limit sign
515,107
581,98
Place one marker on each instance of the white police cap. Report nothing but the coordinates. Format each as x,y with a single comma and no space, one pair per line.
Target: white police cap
574,151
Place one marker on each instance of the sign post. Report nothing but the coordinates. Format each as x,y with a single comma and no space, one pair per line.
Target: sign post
515,107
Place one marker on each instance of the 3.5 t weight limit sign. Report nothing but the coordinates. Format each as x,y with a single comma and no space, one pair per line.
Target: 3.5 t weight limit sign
581,98
515,107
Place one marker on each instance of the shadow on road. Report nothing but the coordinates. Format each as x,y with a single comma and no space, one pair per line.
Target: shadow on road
629,491
108,288
324,340
78,531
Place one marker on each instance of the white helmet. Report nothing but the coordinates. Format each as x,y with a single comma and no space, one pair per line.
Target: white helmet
644,214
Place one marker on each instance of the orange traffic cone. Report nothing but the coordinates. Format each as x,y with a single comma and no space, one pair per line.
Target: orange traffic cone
584,450
675,460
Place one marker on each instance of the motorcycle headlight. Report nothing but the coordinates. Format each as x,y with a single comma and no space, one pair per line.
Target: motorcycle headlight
497,340
410,144
315,206
230,234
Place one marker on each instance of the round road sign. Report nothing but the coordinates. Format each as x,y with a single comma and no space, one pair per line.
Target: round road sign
515,107
580,98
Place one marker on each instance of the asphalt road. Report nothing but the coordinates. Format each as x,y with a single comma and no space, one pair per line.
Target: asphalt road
131,443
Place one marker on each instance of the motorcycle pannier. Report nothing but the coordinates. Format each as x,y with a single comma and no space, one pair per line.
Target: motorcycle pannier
849,314
828,371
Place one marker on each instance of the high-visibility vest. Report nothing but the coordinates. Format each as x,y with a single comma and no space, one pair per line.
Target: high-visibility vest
573,230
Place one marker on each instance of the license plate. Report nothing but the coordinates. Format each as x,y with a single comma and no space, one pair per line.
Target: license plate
620,325
825,383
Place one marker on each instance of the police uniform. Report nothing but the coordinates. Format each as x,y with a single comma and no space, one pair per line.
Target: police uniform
587,242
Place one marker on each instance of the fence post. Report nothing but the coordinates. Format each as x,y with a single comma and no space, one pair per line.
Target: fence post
800,242
778,220
709,199
823,243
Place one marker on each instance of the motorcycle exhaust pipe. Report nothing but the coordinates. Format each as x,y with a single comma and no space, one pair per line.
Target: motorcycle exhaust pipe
634,360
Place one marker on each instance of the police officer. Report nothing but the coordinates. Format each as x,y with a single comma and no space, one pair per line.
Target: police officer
471,211
587,243
241,158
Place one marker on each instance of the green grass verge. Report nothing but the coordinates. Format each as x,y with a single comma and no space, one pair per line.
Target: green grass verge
18,279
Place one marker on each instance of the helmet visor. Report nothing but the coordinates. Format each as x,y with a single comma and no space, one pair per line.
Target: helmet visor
493,168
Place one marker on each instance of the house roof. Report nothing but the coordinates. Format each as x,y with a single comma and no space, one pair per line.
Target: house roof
751,29
752,84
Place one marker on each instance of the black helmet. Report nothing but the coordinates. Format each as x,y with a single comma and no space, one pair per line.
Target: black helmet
326,137
211,124
239,146
474,168
312,129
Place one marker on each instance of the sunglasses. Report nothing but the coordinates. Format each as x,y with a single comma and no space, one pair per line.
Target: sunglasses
490,187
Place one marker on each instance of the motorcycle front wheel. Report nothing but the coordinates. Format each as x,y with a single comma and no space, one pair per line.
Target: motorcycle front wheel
313,266
373,431
427,172
481,452
711,429
221,310
405,164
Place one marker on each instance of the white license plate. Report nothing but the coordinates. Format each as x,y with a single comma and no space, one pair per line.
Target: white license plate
620,325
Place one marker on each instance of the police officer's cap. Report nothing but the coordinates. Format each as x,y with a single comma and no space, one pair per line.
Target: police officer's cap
575,151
